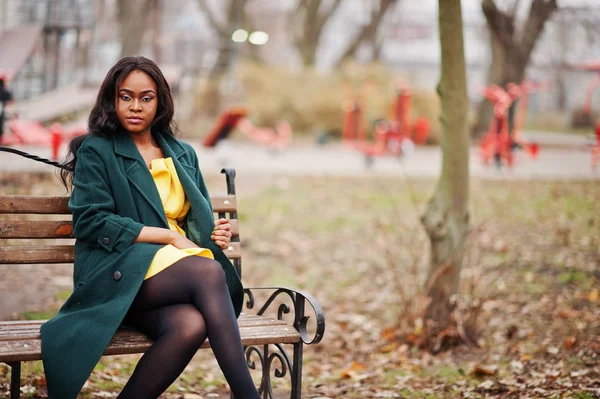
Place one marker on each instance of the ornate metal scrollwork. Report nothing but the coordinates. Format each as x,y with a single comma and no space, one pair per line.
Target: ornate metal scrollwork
298,301
289,303
266,362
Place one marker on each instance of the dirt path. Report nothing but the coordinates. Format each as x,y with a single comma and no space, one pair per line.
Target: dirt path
564,157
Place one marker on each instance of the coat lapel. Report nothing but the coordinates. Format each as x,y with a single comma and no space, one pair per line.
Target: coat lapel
171,148
139,175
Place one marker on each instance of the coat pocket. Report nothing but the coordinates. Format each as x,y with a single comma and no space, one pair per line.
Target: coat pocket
89,264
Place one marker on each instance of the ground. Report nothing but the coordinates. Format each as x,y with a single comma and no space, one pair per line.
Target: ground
530,279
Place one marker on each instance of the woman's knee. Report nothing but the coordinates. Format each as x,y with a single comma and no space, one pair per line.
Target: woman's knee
208,270
189,326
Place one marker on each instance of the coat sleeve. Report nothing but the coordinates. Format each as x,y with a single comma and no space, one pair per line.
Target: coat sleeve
93,208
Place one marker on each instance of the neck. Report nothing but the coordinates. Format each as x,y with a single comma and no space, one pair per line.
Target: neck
143,140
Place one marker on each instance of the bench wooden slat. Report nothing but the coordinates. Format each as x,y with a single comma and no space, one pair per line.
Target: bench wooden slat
11,332
35,229
35,254
224,203
130,342
21,204
34,205
54,229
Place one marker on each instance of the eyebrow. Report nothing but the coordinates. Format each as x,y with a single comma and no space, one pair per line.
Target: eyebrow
142,92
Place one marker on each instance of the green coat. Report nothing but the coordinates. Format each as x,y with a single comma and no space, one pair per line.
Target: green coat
114,196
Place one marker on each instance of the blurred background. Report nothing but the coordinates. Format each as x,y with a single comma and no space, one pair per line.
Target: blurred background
329,111
294,59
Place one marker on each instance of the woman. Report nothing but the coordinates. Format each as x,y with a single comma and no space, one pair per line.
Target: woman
147,252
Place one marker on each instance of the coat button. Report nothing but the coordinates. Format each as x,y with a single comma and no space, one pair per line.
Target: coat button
117,275
105,241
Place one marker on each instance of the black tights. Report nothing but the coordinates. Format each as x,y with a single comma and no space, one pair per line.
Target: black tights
179,308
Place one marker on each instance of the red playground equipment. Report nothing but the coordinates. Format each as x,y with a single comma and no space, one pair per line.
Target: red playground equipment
394,137
500,140
592,67
277,138
35,134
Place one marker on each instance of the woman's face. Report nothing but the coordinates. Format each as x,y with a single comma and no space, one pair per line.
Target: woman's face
136,102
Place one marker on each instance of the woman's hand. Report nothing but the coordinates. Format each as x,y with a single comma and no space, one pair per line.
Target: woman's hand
181,242
221,234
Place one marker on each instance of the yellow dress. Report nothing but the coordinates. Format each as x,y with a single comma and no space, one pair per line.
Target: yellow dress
176,207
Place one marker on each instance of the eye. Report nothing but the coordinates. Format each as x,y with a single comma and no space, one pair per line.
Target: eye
125,97
147,99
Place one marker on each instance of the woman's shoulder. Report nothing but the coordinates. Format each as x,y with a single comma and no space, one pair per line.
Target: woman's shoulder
188,148
96,142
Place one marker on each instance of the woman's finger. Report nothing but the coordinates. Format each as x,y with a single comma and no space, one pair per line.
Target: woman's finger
225,233
221,221
222,244
224,239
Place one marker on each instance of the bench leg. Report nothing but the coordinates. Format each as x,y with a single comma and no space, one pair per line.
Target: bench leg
15,380
297,372
274,359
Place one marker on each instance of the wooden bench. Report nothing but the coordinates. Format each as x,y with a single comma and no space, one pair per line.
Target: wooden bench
281,320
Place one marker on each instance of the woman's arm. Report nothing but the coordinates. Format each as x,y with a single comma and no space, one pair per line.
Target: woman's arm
159,235
93,208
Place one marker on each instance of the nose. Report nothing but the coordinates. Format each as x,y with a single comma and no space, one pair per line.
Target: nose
136,105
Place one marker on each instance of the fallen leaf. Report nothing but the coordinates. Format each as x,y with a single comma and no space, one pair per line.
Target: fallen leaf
593,295
389,347
481,371
389,334
553,350
570,342
511,332
353,371
568,313
526,357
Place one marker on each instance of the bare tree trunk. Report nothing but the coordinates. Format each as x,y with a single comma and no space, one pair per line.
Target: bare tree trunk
133,23
235,16
511,47
495,76
446,218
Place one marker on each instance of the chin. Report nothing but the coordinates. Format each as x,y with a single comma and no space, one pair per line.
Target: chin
136,129
139,131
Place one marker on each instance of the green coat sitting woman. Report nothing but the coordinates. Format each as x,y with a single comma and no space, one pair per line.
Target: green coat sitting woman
148,253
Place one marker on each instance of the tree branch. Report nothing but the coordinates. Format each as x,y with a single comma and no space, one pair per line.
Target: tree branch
367,31
501,24
539,13
324,17
212,20
515,8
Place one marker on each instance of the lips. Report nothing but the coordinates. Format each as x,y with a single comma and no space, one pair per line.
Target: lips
134,119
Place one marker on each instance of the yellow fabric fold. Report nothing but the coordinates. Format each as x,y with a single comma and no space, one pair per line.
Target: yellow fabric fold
176,207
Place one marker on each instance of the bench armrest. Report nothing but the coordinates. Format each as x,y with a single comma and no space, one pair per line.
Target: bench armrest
298,300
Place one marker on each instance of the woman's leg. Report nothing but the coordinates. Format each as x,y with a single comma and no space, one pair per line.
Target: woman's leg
178,331
201,282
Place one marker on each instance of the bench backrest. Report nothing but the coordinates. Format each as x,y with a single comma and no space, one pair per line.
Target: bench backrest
37,249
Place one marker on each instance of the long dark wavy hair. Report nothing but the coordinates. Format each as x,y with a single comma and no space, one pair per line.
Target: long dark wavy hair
103,118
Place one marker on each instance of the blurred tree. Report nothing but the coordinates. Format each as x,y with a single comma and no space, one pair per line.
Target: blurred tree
309,19
511,45
446,219
133,19
235,18
368,33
